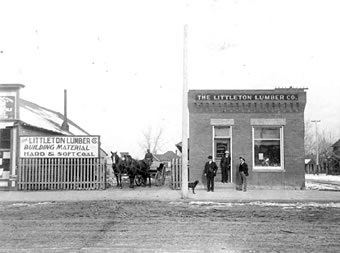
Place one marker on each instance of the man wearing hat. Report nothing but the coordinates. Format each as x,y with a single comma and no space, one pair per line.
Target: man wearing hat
243,171
225,167
210,170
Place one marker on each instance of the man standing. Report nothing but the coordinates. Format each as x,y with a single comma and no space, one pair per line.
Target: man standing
225,167
243,171
210,170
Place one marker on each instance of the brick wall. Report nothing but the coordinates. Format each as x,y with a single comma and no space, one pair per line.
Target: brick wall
200,134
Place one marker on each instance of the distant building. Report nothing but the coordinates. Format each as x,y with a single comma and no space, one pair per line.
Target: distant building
334,159
309,165
123,154
166,157
336,147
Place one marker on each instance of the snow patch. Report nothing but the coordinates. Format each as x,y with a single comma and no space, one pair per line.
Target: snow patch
322,182
298,205
323,177
27,204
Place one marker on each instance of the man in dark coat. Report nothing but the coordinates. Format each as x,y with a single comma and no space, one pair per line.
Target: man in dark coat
243,171
148,157
225,167
210,170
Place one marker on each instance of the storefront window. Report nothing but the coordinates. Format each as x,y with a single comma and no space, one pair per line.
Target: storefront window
267,147
5,145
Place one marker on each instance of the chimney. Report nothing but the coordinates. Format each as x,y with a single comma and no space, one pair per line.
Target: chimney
65,125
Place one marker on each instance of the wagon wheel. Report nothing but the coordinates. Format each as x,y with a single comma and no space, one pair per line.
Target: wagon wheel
163,176
157,178
138,180
160,178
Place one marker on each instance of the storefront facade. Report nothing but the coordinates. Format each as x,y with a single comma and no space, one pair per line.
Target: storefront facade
9,117
266,127
21,119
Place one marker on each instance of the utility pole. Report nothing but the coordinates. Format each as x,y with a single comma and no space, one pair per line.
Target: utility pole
185,113
317,144
65,126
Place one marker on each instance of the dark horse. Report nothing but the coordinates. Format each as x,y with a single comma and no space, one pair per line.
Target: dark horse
143,171
132,167
118,166
124,166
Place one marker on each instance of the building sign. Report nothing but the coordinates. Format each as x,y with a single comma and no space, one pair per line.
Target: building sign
59,146
7,107
245,97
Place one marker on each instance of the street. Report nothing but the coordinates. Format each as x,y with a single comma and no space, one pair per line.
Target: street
165,226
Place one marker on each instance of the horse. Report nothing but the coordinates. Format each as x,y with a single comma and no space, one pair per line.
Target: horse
118,166
132,167
144,171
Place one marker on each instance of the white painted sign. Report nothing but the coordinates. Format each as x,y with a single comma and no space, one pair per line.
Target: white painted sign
59,146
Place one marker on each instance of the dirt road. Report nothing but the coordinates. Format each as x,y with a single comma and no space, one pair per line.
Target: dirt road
152,226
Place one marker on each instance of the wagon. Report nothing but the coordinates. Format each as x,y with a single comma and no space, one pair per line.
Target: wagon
156,173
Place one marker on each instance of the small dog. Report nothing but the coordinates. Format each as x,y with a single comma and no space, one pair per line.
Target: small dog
193,185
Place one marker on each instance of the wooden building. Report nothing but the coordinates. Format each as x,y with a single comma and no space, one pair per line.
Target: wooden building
20,118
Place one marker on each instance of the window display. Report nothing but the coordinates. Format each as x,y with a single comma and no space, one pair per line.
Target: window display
267,147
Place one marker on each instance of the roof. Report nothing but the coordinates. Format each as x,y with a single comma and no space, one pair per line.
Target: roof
167,156
34,115
336,144
179,145
309,161
122,154
11,86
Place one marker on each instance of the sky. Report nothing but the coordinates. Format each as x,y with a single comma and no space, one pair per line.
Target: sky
122,61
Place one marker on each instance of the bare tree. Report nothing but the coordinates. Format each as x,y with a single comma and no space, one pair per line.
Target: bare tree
325,141
157,141
147,139
309,138
152,140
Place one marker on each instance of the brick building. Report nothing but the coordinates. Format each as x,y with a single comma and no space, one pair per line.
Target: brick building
266,127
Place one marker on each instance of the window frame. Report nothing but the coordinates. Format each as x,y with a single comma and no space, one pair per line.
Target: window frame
281,139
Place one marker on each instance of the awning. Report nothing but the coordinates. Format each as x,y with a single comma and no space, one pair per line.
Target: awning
3,125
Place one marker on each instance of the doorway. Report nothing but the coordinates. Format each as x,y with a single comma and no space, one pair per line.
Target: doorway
221,145
222,141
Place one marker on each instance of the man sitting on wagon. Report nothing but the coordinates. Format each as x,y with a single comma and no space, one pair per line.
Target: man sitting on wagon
148,157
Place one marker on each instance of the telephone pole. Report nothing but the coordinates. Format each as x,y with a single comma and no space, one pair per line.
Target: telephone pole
317,144
185,113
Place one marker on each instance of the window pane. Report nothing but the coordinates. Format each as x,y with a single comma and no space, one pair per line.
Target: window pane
267,153
220,147
222,131
267,133
5,138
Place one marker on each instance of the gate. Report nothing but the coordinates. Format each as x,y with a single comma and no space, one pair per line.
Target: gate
61,174
176,174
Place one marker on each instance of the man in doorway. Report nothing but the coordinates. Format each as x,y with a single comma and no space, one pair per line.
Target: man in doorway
210,170
225,167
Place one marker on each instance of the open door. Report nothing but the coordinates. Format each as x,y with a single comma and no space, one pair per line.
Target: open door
220,146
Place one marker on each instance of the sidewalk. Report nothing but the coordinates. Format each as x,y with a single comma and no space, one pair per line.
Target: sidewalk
222,193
